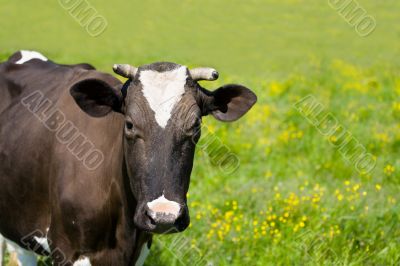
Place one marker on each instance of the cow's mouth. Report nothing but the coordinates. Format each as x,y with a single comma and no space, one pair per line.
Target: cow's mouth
161,223
167,223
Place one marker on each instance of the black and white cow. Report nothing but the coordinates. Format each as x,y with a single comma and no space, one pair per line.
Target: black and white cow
91,167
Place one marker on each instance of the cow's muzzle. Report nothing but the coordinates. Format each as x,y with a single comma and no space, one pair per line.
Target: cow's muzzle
162,216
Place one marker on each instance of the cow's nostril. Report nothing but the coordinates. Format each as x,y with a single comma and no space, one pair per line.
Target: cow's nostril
152,221
160,222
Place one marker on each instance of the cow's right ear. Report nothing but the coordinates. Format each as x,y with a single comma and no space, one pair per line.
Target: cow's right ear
96,97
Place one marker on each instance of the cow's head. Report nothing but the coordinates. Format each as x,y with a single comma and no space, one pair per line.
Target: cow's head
163,104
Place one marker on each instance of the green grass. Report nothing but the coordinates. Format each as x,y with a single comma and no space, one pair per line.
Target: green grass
294,200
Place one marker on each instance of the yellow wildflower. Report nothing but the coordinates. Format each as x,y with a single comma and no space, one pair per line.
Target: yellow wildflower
389,169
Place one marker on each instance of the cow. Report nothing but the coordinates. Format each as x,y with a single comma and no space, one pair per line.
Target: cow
92,167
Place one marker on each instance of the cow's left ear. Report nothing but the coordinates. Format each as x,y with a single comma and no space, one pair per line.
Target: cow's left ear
229,102
96,97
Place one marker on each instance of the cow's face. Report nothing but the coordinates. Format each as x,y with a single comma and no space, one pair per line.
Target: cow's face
163,105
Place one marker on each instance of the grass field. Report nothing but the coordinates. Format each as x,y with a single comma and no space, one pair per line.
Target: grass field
295,199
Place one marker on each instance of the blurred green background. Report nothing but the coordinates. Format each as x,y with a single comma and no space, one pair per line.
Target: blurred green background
253,37
294,200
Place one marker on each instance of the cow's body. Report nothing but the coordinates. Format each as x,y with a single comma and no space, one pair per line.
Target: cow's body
57,195
90,168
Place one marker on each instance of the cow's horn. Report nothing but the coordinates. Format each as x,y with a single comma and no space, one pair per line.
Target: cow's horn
204,73
125,70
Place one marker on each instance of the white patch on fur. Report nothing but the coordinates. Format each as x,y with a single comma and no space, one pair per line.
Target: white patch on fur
143,255
163,90
24,257
29,55
43,242
82,262
162,205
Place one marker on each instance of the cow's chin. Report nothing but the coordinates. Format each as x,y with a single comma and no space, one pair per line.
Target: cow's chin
146,223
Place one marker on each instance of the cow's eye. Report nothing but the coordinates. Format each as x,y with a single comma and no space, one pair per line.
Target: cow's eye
129,125
130,130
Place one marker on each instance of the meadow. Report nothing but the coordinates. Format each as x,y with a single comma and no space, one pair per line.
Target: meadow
294,199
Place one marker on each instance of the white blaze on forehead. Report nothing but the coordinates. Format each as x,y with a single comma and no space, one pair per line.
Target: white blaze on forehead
162,205
82,262
29,55
163,90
